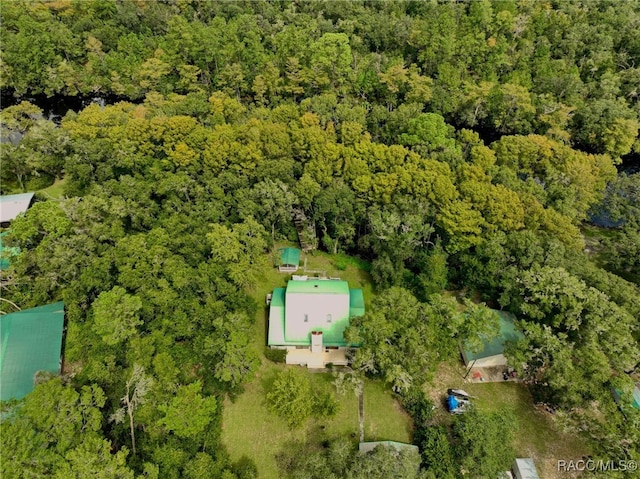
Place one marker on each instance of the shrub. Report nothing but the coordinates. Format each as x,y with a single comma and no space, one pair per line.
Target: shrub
291,397
275,355
324,405
39,182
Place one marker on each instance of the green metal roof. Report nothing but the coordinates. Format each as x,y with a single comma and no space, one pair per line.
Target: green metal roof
356,303
318,286
276,319
31,342
6,253
289,256
495,346
277,299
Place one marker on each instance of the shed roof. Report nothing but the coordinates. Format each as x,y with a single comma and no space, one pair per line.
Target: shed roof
31,342
289,256
492,347
526,468
12,205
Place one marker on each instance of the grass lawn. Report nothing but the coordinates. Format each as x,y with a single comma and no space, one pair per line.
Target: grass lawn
250,429
539,435
384,418
55,191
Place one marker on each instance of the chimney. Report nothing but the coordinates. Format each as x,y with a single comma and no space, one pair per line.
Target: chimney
316,341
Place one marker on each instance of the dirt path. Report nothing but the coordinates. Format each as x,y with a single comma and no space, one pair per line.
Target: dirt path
361,413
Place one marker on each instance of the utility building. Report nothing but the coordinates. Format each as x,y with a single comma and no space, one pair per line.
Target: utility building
308,319
289,261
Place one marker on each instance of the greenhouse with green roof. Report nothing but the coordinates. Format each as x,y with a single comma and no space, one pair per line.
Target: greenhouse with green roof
289,260
308,319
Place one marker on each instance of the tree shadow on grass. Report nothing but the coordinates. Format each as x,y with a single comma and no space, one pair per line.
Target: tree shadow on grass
266,380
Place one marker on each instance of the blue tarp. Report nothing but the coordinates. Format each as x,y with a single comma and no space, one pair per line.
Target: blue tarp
452,403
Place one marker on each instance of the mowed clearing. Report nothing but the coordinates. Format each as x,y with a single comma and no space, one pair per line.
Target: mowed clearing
539,435
251,429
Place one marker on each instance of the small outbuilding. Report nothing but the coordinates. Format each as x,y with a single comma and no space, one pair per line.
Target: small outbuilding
289,260
31,343
492,352
524,469
12,205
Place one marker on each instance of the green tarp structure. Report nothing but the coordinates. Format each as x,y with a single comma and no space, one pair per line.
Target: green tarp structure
312,305
290,257
495,346
6,252
31,341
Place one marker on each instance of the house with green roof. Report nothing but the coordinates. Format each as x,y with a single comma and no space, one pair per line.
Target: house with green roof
492,352
31,343
308,319
289,260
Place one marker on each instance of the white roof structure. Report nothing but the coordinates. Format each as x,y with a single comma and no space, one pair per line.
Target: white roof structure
524,468
12,205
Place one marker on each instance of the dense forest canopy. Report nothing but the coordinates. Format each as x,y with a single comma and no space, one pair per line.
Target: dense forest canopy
452,145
